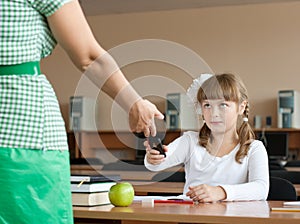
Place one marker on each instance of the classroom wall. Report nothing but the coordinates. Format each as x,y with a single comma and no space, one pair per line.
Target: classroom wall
261,43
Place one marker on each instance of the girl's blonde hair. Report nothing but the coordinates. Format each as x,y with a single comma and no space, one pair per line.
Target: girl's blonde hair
230,88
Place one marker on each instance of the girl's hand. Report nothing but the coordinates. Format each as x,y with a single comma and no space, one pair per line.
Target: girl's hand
206,193
153,156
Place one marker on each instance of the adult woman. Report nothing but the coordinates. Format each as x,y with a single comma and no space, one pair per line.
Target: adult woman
34,169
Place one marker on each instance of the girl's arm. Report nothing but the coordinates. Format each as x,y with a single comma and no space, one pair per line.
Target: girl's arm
177,152
73,33
257,187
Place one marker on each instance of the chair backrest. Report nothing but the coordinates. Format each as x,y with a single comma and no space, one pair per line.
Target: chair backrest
178,176
281,189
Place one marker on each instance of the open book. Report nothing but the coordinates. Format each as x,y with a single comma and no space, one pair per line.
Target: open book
164,199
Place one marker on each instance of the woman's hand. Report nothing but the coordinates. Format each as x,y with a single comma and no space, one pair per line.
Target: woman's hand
153,156
141,117
206,193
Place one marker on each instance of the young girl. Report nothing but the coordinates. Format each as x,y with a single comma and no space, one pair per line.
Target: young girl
223,161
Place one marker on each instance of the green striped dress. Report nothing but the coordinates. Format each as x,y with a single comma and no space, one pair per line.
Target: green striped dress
34,167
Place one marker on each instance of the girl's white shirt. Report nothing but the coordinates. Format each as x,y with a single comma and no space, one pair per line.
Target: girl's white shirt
246,181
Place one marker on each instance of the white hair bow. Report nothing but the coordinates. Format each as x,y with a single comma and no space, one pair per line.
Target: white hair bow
193,91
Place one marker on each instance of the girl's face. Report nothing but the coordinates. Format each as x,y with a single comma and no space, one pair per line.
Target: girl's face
220,115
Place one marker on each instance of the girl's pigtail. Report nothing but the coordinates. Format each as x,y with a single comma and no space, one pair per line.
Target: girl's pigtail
246,136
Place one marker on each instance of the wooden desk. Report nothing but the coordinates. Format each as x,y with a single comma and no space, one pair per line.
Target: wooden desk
143,187
142,180
257,212
296,169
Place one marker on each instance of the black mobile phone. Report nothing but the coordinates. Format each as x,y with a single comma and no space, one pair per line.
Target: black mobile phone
158,146
154,142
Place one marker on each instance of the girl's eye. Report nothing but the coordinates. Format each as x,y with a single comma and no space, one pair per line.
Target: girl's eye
206,105
223,105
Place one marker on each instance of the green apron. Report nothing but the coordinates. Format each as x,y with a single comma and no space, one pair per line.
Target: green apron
35,187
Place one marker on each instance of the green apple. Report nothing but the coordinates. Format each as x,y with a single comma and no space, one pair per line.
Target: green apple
121,194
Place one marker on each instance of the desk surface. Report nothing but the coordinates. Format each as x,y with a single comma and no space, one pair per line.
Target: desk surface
224,212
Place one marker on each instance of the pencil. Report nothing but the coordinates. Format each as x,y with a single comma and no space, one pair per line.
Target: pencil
285,209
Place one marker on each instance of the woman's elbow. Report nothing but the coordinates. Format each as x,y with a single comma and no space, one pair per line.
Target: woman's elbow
82,58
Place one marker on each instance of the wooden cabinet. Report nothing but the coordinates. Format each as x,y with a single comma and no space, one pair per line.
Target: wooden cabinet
92,144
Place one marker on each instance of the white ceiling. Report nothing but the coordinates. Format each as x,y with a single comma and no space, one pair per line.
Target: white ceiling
100,7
